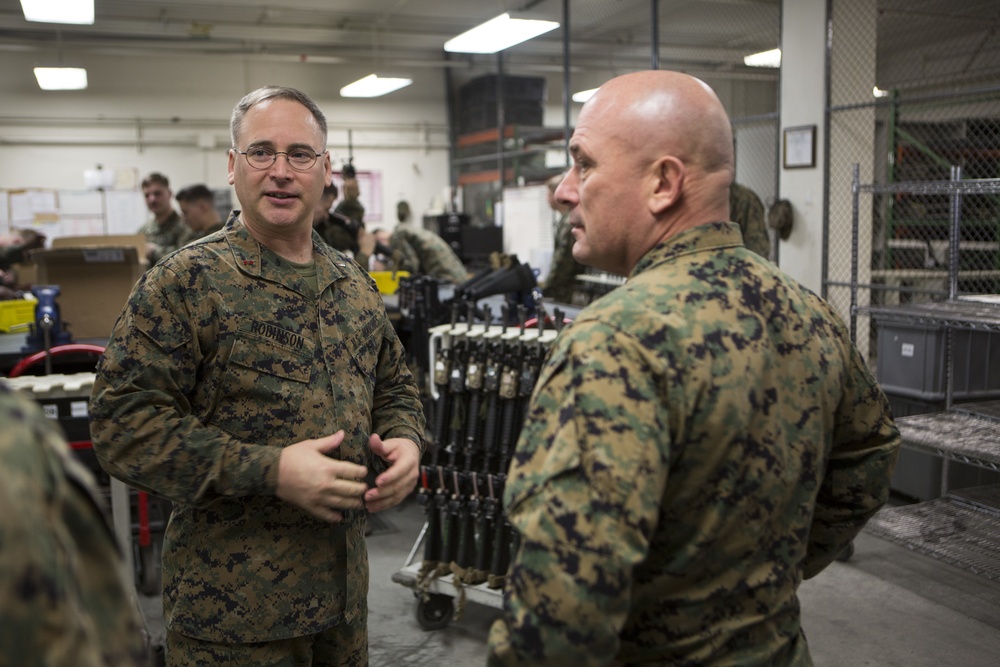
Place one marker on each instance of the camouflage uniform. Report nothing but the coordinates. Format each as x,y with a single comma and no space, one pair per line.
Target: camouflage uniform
166,236
747,210
222,356
335,229
192,235
64,596
560,283
422,251
351,208
699,440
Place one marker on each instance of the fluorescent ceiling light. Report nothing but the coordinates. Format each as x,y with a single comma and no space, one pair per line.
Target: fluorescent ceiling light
584,95
61,78
498,34
79,12
373,86
770,58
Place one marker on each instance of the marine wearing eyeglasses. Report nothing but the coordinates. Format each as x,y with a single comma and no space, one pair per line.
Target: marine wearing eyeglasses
254,378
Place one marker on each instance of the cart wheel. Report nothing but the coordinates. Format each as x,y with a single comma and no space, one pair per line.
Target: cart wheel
436,612
846,554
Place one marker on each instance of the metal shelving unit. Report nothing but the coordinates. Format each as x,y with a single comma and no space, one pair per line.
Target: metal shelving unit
961,527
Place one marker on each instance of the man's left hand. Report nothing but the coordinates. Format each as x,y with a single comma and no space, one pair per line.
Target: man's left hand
393,485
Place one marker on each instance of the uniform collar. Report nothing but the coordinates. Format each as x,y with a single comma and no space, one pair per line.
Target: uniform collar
710,236
257,260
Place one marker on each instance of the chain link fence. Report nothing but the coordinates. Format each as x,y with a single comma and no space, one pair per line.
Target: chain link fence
931,114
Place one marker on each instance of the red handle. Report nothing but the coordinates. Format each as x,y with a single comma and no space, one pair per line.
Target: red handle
58,350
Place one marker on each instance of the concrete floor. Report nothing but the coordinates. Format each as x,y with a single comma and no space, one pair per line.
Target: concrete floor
885,607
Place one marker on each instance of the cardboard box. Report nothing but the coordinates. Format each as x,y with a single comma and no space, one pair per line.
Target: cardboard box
95,275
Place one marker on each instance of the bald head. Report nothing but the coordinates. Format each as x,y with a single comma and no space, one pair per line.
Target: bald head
661,112
652,157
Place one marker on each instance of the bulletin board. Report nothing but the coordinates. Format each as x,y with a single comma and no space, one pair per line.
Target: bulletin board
58,213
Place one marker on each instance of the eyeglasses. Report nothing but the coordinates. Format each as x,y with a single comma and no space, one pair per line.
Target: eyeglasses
261,157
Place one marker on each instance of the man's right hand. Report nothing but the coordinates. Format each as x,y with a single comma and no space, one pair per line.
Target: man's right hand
320,485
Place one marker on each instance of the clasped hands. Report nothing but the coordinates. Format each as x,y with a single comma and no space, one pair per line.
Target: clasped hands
324,486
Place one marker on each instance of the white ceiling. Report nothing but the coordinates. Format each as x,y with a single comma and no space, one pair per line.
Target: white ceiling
402,35
405,37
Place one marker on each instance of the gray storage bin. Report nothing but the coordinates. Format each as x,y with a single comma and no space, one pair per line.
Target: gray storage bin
911,361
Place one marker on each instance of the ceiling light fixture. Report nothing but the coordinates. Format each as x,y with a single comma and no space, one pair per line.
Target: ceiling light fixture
374,86
61,78
770,58
584,95
77,12
498,34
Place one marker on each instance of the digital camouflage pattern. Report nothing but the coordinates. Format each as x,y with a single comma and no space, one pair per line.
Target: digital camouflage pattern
419,250
351,207
222,356
699,440
560,283
166,237
334,230
64,592
747,210
193,235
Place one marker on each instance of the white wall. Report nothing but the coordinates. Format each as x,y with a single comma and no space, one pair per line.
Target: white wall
174,119
803,100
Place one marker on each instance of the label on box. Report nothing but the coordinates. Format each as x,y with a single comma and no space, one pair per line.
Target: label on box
78,409
51,410
907,349
104,255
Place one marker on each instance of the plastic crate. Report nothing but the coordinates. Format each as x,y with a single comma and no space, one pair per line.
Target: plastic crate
911,362
16,315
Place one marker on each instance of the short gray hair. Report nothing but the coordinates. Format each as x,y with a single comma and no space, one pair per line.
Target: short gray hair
273,93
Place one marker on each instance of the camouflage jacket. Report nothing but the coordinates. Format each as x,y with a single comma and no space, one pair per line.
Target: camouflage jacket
334,229
560,283
419,250
222,356
192,235
352,208
699,440
747,210
64,596
166,237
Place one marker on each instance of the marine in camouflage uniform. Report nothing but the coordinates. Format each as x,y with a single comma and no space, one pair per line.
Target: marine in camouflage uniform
759,409
64,593
700,439
224,355
747,210
560,283
336,230
419,250
167,236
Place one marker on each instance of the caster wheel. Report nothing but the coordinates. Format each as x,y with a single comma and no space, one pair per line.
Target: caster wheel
846,554
435,613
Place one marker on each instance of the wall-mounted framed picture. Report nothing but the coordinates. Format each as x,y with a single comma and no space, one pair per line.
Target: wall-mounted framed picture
800,147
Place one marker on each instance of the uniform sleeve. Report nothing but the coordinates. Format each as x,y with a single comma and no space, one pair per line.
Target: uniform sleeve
143,425
64,599
396,411
583,493
863,454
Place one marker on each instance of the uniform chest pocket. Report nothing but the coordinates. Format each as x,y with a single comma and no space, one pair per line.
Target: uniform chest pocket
363,346
264,385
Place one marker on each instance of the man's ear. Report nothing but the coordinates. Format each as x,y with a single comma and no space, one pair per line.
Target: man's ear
668,176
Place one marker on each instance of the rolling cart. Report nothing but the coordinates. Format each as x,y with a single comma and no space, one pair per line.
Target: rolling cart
436,595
